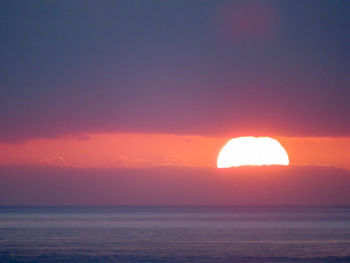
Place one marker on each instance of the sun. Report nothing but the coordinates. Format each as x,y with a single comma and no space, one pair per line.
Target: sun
252,151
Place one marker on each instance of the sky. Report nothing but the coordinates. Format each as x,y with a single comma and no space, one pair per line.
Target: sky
185,67
149,84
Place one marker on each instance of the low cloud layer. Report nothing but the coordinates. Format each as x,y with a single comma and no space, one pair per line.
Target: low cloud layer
296,185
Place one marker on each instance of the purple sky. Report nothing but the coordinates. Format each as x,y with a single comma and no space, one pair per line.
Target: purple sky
183,67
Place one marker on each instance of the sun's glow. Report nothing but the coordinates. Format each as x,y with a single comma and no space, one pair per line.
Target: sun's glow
252,151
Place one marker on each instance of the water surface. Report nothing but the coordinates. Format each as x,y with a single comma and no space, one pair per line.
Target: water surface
175,234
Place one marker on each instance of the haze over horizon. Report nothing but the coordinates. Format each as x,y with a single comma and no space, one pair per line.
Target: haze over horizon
269,185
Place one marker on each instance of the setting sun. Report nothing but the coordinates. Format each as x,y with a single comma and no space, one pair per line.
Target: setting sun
252,151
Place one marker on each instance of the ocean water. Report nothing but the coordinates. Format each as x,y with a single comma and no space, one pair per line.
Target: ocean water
175,234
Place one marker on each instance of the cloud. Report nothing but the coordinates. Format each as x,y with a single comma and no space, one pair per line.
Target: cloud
171,160
309,185
127,161
54,161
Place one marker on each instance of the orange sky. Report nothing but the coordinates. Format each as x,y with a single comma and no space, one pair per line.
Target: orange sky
147,150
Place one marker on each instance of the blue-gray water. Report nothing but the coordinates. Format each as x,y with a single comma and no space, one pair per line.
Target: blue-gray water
175,234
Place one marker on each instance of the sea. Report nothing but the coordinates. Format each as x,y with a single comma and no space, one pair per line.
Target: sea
174,234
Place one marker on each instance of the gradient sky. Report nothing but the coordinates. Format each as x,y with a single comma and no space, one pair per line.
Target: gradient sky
93,85
217,68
